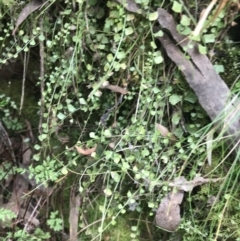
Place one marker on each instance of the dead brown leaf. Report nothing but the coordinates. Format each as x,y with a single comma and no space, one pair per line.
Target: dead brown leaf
117,89
168,213
130,5
85,152
114,88
165,132
187,186
26,11
112,145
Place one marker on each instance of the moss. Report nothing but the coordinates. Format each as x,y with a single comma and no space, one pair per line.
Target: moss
123,228
228,55
120,231
13,89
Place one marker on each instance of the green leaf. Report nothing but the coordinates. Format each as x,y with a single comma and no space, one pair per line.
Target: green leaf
54,222
155,90
120,55
75,38
92,135
158,34
183,29
123,66
153,45
37,147
219,68
227,196
134,228
100,229
18,48
150,205
129,194
185,21
190,97
177,7
107,133
130,17
209,38
108,191
176,118
145,152
6,213
117,37
174,99
25,39
202,49
36,157
20,33
64,170
82,101
104,40
158,59
61,116
115,176
125,166
153,16
119,27
71,108
100,46
89,67
129,31
45,126
41,37
109,57
116,158
42,137
32,42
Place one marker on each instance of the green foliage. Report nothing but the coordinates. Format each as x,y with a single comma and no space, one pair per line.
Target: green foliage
8,3
227,55
113,223
8,109
177,7
6,215
22,235
123,181
48,170
54,222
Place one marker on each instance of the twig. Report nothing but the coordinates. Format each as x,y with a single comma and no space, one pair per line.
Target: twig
33,212
203,18
75,202
41,45
7,142
26,60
